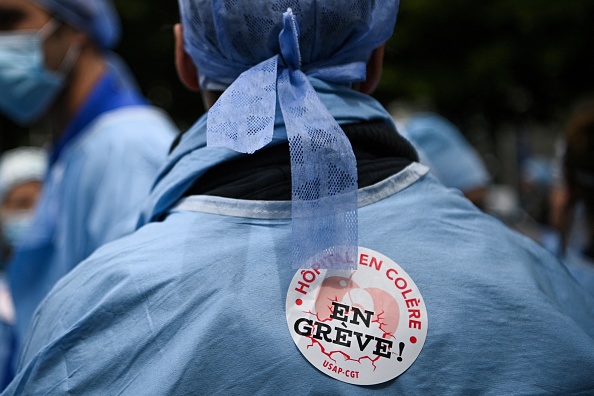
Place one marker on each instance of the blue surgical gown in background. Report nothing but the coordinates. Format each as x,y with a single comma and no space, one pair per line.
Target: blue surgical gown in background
195,304
6,333
445,150
581,267
100,172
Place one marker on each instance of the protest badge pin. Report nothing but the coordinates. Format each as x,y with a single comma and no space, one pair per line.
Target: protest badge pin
363,327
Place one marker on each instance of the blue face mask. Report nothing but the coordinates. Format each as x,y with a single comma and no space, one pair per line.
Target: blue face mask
27,87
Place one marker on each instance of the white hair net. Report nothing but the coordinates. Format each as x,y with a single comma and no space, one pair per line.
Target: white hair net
19,166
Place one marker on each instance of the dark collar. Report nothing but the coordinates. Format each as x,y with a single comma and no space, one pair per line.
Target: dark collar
266,175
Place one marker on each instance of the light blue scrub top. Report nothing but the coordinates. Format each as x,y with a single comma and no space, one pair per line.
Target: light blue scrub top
6,333
101,171
195,304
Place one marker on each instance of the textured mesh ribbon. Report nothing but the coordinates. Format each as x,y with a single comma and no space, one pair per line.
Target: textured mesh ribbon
323,166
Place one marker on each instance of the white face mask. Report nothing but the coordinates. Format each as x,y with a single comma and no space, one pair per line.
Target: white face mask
15,225
27,86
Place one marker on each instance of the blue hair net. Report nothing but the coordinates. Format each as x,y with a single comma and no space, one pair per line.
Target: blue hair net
97,18
228,37
264,53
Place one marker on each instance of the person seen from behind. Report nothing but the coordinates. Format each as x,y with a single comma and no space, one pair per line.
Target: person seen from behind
294,245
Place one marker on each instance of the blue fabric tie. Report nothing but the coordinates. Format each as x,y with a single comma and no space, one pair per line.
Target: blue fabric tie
323,166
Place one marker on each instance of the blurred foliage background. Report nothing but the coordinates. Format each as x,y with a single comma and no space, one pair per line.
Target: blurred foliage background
502,70
499,60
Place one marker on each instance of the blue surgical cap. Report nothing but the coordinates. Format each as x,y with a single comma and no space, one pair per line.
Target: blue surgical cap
227,37
97,18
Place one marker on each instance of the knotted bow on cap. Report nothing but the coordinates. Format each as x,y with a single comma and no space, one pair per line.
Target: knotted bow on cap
323,166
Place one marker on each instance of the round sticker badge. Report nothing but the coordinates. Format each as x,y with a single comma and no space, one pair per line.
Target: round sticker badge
363,327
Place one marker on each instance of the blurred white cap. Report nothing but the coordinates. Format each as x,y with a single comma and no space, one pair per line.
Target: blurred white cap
19,166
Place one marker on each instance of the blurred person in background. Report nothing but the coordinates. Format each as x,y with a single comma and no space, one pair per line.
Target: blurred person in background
535,181
21,175
457,164
532,213
447,153
575,198
56,63
251,273
22,171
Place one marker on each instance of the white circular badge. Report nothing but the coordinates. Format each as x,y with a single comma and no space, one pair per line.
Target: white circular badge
363,327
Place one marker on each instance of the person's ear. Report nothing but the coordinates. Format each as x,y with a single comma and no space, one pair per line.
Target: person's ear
186,69
374,71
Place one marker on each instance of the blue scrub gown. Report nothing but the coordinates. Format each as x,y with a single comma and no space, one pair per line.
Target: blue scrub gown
195,303
100,172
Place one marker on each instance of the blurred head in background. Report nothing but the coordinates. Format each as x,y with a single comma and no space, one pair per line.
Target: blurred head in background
21,174
50,51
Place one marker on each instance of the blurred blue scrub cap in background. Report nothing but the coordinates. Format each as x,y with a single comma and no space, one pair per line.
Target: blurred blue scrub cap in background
97,18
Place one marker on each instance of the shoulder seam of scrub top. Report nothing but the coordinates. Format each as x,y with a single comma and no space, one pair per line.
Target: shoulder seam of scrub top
114,115
282,209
